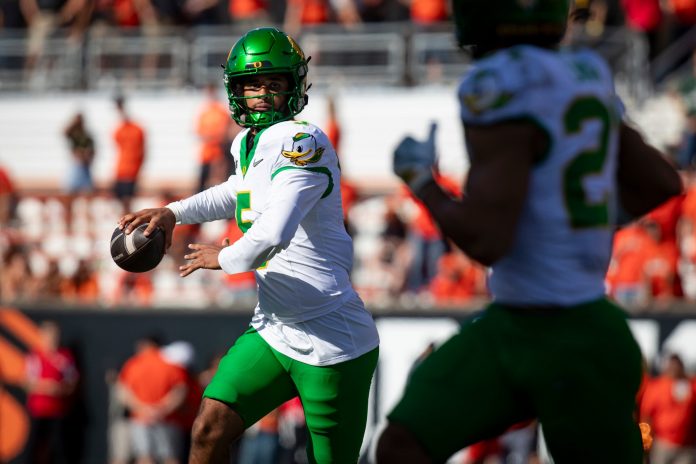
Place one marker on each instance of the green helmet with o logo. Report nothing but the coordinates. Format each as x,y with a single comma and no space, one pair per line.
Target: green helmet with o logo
488,25
265,50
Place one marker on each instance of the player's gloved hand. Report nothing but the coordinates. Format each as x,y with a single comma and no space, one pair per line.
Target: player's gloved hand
155,217
414,160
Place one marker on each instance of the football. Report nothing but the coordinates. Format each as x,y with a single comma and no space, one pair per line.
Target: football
136,252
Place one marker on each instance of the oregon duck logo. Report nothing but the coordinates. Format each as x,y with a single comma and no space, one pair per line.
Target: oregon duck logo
302,149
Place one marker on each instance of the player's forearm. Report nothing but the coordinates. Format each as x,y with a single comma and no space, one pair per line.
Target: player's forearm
646,178
271,232
217,202
466,224
292,195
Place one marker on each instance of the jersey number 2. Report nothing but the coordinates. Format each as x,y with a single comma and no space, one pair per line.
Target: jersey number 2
584,214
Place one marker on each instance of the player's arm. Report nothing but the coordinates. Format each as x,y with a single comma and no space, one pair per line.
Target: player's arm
483,222
217,202
293,193
646,179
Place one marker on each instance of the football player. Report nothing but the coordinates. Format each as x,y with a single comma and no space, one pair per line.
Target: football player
554,168
310,334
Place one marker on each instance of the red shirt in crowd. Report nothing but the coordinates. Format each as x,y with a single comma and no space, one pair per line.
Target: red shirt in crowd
56,367
669,406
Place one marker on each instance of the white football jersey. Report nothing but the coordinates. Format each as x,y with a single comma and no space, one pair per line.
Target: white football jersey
564,236
286,198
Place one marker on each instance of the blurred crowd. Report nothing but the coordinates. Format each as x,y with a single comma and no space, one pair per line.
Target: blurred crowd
153,399
662,21
54,248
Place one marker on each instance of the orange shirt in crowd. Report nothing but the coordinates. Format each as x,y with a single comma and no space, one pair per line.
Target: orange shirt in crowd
125,13
333,133
269,422
670,408
130,141
684,10
457,280
666,216
428,11
423,223
661,270
632,248
150,378
212,129
247,9
312,11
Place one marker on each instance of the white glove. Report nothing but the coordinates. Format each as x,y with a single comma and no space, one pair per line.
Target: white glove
414,160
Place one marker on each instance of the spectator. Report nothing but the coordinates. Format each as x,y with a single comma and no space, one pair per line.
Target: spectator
684,91
301,13
458,280
8,198
17,280
82,286
51,382
119,448
211,127
248,13
626,279
428,12
82,150
180,354
261,442
43,17
153,389
645,16
130,144
669,406
293,433
349,191
425,240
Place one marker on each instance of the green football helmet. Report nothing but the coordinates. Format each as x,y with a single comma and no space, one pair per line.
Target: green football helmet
265,50
487,25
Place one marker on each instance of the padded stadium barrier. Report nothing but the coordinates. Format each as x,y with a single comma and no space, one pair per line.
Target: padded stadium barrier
102,340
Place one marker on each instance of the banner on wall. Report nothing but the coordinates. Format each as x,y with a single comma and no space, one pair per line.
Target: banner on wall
103,340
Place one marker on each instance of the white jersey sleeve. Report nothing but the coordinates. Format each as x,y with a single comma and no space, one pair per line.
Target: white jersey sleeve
292,195
217,202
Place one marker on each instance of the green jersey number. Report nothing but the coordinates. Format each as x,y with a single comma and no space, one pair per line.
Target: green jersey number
243,204
584,214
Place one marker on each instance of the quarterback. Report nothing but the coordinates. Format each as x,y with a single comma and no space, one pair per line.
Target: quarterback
554,168
310,334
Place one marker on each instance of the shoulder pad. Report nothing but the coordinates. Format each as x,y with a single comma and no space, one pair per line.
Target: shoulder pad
300,144
497,88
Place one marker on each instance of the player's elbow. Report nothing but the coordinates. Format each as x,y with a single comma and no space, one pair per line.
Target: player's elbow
278,239
487,250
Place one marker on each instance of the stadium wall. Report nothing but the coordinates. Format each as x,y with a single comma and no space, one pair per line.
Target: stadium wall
103,340
372,120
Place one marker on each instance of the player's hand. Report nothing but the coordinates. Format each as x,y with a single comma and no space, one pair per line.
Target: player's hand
202,257
414,160
156,217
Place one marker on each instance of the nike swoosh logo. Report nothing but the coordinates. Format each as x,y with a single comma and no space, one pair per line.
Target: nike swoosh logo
256,162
